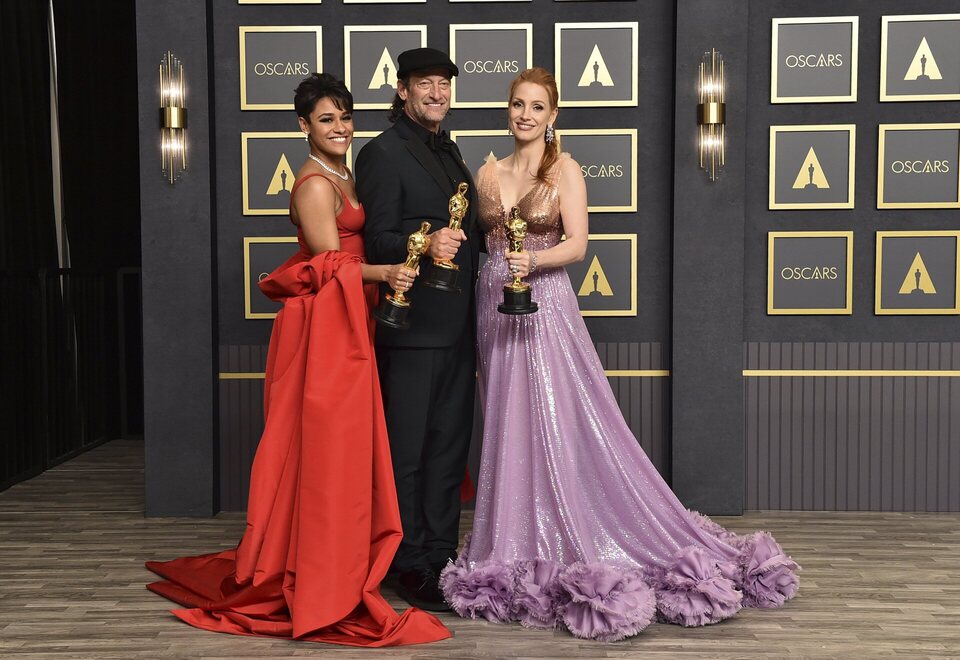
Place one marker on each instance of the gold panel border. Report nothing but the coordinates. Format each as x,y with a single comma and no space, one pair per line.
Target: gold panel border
356,134
884,23
881,153
879,310
482,132
634,59
851,373
247,241
774,311
244,172
456,27
632,311
851,130
244,29
632,132
854,22
350,29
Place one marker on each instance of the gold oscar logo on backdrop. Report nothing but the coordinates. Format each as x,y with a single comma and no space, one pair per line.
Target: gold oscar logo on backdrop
595,281
811,174
282,177
917,280
595,72
383,72
924,65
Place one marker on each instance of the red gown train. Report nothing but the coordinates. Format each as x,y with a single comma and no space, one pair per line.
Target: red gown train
322,518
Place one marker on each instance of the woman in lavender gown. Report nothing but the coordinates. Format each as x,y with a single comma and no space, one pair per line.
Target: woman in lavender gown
574,527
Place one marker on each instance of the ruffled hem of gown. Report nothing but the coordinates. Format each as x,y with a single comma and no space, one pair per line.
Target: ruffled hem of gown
609,602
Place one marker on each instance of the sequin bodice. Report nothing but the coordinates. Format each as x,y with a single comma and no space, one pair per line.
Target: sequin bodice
540,207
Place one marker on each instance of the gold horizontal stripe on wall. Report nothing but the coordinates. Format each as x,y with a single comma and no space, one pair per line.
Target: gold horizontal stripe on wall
611,373
854,373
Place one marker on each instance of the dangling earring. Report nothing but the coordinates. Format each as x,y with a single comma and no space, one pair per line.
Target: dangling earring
548,134
306,137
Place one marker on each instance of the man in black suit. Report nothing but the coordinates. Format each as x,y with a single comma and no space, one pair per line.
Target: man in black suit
427,372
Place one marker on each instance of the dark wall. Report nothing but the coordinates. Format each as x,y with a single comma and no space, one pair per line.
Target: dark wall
889,442
179,278
701,266
707,441
241,341
865,219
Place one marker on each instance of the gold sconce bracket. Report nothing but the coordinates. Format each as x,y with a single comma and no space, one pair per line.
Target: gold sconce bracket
711,113
173,118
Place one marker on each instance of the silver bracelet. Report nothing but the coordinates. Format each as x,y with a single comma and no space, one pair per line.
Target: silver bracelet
533,262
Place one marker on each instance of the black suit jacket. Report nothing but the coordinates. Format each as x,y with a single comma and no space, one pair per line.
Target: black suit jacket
401,183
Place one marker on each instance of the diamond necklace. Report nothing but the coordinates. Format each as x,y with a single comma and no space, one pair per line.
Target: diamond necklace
328,168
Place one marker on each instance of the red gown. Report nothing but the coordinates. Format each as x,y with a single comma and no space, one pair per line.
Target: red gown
322,517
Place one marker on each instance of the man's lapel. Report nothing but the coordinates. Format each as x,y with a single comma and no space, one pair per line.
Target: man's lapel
429,162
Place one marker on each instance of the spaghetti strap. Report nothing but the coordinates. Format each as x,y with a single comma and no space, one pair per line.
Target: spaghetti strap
296,184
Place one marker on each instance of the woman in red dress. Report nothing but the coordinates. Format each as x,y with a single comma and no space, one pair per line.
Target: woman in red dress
322,517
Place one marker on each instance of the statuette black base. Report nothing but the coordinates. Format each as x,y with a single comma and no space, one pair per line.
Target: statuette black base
392,314
443,278
516,302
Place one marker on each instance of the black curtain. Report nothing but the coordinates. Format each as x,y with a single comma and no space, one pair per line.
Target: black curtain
27,232
97,84
70,337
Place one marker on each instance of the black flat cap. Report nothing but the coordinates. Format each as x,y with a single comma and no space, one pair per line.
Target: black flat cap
423,59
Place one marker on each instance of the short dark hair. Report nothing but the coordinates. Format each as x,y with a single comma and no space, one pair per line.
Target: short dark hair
318,86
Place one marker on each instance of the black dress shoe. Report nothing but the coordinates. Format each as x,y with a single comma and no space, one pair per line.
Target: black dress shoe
421,588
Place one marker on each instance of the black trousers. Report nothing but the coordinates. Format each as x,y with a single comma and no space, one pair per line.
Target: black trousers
428,397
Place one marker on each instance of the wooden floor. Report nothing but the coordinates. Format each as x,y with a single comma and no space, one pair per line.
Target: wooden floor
73,542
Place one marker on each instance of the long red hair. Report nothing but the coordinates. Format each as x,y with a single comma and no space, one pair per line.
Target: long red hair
540,76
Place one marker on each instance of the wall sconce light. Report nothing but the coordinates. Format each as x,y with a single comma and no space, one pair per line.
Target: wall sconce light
711,113
173,118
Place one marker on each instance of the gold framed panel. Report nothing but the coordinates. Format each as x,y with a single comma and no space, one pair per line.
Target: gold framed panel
632,132
851,129
466,27
247,241
884,25
350,29
878,308
634,27
632,310
360,134
854,58
246,29
881,153
484,132
245,172
771,251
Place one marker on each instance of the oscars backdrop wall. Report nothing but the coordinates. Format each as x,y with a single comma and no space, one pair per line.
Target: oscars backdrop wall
610,111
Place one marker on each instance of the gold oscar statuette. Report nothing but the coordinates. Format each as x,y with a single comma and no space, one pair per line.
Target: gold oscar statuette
443,274
395,307
517,293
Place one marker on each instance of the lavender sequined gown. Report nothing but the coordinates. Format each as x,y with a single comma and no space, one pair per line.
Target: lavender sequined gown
574,527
